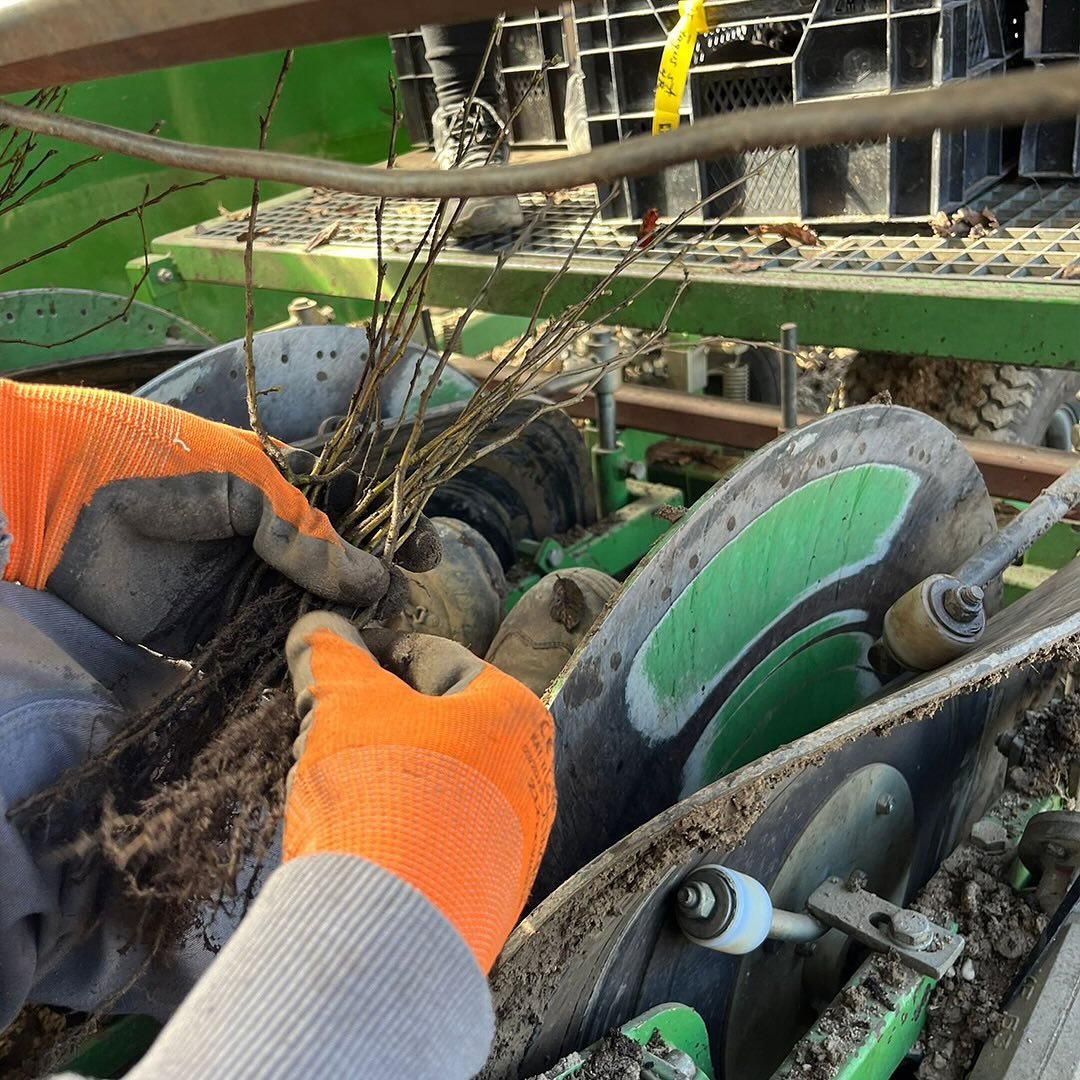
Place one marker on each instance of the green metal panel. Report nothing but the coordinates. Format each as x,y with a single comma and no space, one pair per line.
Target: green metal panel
116,1049
679,1027
1047,555
615,544
45,326
336,104
892,1018
1003,298
484,332
980,319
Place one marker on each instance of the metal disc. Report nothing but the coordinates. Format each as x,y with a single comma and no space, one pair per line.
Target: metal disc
604,947
749,626
305,373
47,326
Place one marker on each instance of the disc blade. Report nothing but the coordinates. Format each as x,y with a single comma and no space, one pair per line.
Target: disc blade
603,947
750,625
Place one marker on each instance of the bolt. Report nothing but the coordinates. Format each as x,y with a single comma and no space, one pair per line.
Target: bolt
555,556
696,900
885,805
910,929
636,470
963,603
164,276
989,836
856,881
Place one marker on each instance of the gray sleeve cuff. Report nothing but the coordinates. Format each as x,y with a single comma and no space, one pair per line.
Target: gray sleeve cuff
339,969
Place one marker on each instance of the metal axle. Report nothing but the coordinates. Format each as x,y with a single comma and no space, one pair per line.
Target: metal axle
943,616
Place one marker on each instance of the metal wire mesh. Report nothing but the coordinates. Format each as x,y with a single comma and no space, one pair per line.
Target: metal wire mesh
1039,238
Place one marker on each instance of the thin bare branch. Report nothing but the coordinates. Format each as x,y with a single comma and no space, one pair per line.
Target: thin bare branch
273,451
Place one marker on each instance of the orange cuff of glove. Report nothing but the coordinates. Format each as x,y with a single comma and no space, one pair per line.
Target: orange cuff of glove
60,444
453,794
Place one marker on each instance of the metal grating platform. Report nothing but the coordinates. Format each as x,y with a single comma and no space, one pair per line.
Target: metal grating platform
1039,238
1009,296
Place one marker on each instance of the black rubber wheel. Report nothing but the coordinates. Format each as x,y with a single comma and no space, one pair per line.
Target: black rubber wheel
537,486
990,401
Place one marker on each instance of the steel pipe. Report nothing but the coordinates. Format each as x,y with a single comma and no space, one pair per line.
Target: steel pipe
789,342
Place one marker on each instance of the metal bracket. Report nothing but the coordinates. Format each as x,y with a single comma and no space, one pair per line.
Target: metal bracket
159,275
922,945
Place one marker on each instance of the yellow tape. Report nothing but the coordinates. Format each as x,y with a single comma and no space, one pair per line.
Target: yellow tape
675,64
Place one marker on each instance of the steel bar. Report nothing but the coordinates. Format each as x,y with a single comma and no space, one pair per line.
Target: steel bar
1011,99
789,342
1059,498
795,926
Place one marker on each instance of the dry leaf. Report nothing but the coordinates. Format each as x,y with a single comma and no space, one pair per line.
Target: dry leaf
260,230
647,228
744,266
1071,272
568,606
941,224
323,236
797,234
964,224
234,215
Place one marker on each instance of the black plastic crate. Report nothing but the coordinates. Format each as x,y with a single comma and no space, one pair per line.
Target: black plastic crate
1052,30
528,42
775,52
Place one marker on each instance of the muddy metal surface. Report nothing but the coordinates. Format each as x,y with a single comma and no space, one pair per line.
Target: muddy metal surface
1000,926
541,982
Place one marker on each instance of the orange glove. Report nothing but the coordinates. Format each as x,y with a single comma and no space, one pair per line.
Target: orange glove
435,766
136,514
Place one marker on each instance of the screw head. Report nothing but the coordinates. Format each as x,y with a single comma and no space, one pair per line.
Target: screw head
885,805
164,276
911,929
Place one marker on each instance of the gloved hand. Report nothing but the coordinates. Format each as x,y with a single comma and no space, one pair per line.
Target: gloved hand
138,514
421,758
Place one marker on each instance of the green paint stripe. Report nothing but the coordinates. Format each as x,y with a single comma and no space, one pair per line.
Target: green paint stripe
825,531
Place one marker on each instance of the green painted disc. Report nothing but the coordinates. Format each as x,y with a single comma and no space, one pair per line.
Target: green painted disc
749,625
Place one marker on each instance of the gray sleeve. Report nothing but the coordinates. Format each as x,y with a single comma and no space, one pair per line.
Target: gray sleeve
51,715
63,686
339,969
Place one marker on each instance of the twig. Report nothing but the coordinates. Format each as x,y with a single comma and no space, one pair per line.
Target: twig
1009,99
273,451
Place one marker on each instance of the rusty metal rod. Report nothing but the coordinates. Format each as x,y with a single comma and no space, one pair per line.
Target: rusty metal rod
1010,471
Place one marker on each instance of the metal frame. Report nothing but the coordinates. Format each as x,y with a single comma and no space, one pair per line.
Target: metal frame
1008,297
